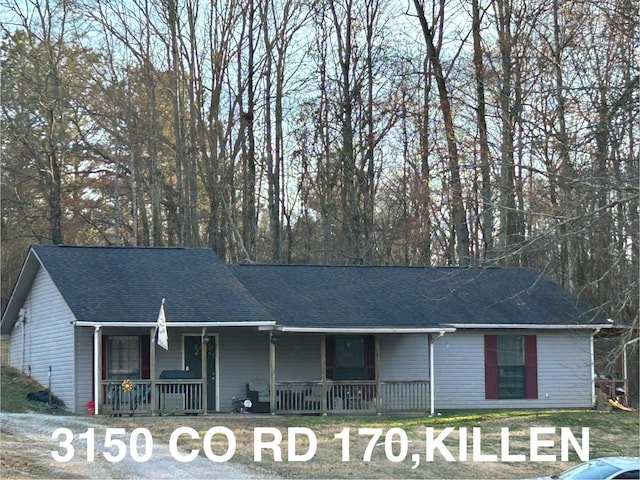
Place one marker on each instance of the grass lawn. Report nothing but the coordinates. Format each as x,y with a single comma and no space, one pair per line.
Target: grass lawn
610,433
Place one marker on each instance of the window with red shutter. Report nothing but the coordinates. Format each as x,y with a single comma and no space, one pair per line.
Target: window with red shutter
511,366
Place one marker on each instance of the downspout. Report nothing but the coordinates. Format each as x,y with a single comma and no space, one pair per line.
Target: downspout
272,373
593,367
204,345
96,370
23,319
432,383
625,372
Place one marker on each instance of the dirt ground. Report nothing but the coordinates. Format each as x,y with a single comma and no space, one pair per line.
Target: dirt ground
26,444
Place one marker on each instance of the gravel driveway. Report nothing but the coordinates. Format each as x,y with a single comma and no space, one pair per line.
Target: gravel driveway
26,444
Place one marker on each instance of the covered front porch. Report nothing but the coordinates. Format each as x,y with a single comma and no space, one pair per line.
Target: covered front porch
338,372
133,376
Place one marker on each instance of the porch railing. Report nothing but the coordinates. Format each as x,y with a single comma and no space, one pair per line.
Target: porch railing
352,397
170,397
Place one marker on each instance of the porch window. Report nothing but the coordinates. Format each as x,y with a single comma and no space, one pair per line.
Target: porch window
125,356
511,369
350,357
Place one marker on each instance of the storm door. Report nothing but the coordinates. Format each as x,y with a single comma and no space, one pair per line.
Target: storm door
193,362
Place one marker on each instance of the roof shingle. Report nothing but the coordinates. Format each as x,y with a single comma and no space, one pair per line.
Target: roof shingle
127,284
362,296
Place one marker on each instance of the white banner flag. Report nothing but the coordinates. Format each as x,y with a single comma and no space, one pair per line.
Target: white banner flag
160,337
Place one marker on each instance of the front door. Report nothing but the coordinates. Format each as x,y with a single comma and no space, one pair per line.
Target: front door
193,362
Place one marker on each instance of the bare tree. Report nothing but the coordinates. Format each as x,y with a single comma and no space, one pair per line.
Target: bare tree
457,206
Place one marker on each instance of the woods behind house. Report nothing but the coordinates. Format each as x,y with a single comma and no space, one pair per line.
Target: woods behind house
341,132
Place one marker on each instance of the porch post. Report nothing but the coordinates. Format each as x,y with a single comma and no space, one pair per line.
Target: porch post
432,393
323,370
272,373
97,370
152,370
377,367
203,351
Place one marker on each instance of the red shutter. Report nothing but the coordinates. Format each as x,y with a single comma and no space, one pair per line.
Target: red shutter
490,367
369,357
331,357
105,342
530,366
145,356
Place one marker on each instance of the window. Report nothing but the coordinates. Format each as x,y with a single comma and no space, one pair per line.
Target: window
125,356
634,474
511,366
350,357
349,362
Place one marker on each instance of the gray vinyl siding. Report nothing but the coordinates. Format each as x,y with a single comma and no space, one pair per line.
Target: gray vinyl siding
564,371
14,352
244,356
298,357
84,367
404,357
48,339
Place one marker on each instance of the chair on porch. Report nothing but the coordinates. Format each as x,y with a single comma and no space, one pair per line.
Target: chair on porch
313,398
258,393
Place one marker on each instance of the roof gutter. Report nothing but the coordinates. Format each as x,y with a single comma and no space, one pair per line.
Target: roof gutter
371,330
174,324
530,326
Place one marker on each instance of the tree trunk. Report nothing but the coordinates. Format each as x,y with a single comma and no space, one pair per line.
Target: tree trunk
485,158
460,227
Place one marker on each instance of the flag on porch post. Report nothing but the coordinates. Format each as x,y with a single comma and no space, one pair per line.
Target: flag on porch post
160,336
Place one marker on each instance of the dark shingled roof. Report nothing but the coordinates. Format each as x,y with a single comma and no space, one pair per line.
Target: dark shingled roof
127,284
361,296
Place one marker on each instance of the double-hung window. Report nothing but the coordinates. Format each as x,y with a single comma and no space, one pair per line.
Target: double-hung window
510,366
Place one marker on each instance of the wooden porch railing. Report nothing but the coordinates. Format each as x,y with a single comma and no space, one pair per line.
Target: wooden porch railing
352,397
170,397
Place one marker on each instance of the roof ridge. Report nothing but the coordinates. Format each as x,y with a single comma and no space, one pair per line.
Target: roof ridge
435,267
116,247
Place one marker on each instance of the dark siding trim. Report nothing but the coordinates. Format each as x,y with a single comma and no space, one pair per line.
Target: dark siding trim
105,341
331,357
369,357
530,366
145,356
490,367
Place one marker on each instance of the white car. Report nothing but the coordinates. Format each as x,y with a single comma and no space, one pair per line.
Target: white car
604,468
